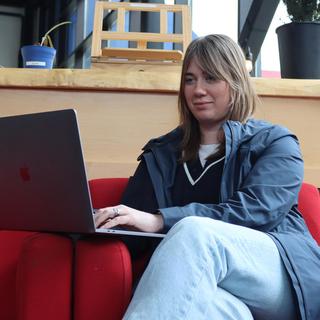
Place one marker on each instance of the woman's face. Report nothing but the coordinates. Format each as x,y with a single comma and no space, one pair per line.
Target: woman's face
208,99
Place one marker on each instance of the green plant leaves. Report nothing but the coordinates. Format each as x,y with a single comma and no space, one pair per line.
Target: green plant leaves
303,10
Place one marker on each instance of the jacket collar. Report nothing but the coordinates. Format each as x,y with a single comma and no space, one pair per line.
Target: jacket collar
165,152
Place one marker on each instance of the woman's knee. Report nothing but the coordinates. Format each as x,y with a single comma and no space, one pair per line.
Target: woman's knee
189,225
202,235
195,231
194,225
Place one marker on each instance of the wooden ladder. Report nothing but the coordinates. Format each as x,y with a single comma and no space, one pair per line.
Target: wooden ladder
141,52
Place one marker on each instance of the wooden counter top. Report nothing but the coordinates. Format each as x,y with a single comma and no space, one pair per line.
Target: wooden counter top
141,78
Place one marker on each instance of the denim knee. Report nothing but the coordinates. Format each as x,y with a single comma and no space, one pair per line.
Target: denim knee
195,225
189,225
196,232
197,242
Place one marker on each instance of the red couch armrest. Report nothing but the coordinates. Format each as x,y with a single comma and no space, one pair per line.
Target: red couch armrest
44,278
103,279
10,248
35,276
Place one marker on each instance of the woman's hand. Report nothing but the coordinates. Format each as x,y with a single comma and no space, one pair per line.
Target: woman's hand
128,217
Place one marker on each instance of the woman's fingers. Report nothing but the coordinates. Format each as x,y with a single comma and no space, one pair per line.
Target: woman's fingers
102,216
130,218
119,220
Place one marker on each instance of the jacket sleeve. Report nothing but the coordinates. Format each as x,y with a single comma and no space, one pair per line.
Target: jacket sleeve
265,195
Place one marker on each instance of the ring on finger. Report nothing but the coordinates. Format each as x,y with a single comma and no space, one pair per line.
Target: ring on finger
116,212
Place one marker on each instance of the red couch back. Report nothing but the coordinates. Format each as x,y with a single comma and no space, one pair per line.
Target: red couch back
309,206
108,191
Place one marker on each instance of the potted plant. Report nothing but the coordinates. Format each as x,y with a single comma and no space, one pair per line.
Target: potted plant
299,41
41,55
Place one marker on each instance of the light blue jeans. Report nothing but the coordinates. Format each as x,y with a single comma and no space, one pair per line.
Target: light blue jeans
212,270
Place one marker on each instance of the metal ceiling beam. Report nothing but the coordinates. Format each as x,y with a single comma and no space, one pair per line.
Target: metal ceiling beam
256,23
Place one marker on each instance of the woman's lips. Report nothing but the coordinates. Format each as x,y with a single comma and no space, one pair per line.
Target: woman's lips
202,105
199,103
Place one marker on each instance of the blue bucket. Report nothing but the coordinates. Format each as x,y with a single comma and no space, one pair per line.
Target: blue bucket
36,56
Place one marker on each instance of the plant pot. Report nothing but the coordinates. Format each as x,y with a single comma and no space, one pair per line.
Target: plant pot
36,56
299,50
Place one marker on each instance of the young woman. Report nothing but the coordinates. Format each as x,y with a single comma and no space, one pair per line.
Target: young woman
225,188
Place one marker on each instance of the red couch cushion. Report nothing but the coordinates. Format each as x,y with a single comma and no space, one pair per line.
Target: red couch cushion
309,206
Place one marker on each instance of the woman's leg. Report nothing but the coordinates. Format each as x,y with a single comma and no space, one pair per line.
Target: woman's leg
200,256
224,306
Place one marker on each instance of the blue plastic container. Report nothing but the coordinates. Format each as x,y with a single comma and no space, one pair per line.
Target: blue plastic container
36,56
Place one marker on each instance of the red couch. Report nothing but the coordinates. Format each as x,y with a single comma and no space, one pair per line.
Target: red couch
107,192
48,276
35,276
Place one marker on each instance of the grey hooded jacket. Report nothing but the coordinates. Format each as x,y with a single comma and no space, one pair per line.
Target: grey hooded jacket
261,179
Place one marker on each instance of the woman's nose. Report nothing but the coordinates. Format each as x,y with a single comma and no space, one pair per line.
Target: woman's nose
200,88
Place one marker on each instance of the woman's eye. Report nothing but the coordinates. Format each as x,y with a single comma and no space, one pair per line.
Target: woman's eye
188,80
210,78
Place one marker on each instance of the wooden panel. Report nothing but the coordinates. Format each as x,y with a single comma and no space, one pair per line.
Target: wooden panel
137,54
139,36
287,87
301,116
137,77
141,44
97,27
121,20
150,7
163,21
186,23
114,126
155,78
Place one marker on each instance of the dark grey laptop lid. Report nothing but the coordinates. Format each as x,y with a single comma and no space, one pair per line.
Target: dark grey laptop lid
43,184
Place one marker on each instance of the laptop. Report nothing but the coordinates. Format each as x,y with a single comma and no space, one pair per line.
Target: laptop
43,182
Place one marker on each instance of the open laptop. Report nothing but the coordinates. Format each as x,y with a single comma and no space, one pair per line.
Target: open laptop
43,182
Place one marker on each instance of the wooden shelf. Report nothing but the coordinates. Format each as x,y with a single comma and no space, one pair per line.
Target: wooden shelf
139,77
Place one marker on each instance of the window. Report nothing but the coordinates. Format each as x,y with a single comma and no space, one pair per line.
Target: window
270,65
209,16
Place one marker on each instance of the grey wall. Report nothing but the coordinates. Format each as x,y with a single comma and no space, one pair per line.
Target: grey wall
10,35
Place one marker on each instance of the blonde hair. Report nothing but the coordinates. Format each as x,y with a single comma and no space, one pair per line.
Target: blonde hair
221,58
